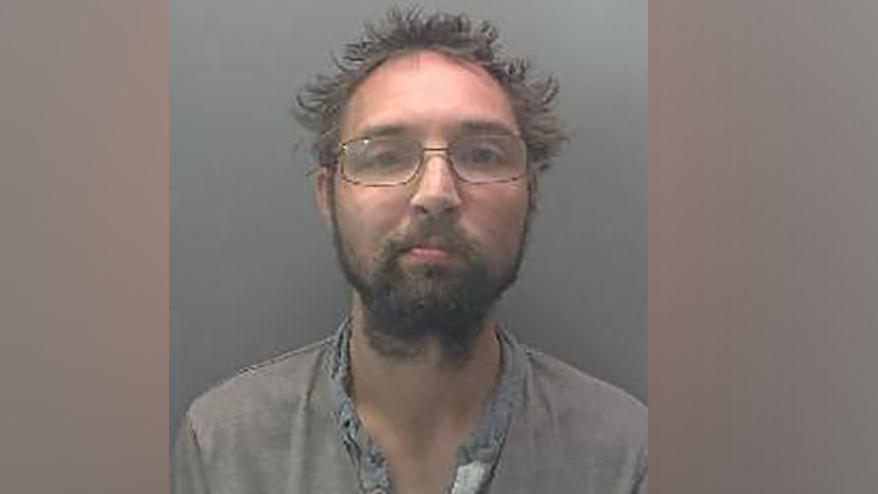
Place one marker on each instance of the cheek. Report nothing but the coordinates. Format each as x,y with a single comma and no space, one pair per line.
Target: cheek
501,220
364,217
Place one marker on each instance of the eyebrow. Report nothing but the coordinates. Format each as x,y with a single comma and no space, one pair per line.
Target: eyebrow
386,130
467,126
487,126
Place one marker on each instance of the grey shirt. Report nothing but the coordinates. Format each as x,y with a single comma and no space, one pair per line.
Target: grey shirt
287,425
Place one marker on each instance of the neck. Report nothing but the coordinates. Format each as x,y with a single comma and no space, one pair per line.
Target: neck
420,393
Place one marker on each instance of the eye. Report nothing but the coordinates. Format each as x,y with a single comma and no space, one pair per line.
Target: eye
387,155
385,158
483,152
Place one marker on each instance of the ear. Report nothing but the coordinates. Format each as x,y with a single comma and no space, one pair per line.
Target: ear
533,189
323,189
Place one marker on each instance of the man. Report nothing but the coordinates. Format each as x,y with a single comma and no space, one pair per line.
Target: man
430,145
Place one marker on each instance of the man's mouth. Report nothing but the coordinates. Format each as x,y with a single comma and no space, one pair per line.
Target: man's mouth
427,252
430,249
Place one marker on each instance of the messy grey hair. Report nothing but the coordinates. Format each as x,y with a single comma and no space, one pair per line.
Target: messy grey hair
320,104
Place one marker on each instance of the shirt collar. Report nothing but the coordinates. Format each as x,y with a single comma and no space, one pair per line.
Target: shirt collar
482,446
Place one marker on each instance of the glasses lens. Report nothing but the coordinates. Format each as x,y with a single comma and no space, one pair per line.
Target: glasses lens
380,161
489,158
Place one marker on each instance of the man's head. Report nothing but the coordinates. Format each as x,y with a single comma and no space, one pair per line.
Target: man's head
430,255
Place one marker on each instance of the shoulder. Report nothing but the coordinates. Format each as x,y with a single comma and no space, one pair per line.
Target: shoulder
272,388
572,432
583,403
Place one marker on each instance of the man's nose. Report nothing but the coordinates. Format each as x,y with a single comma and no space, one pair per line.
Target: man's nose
436,192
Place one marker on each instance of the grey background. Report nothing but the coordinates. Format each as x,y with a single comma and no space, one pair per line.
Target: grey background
252,270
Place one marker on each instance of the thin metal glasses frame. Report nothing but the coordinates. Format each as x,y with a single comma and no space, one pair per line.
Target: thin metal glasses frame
417,170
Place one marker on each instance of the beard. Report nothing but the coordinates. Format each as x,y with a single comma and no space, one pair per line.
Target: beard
406,307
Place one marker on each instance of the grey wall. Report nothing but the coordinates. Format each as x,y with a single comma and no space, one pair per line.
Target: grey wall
252,268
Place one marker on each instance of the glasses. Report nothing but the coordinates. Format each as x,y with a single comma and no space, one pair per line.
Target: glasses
395,160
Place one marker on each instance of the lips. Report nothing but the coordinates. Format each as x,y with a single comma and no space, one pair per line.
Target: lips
430,250
422,245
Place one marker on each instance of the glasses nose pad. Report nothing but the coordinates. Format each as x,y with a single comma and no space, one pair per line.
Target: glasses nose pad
437,185
445,153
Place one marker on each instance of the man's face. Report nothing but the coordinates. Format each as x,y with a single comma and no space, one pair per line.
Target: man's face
435,253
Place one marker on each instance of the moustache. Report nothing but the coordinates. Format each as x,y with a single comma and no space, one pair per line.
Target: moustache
439,235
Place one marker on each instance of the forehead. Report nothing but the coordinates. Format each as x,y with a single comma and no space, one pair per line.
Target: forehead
427,93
